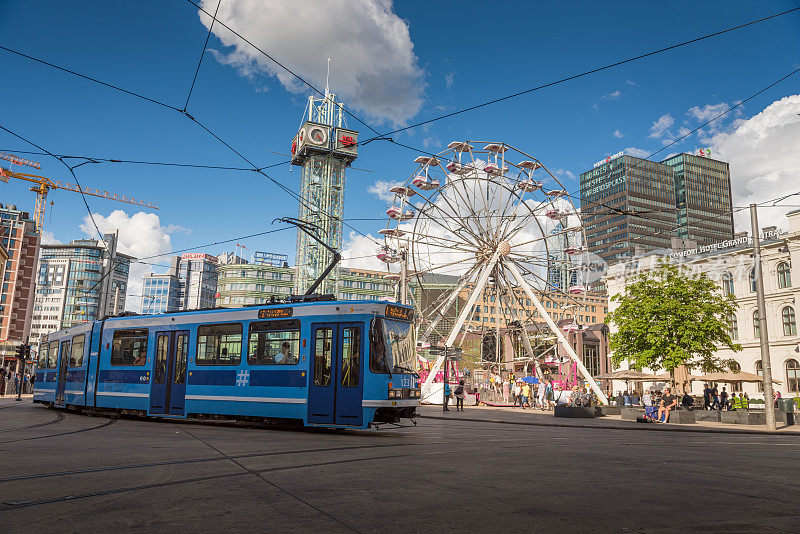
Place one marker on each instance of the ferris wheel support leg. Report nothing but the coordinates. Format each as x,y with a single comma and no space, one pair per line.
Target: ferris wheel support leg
561,339
487,270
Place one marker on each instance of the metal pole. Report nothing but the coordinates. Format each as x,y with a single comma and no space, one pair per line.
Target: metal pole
403,274
444,382
769,397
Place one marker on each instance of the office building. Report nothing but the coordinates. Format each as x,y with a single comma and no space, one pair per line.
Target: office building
20,240
611,195
78,283
630,205
190,283
702,198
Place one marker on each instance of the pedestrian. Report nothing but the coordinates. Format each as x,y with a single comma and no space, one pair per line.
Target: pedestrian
517,393
746,401
16,382
506,387
723,400
548,393
446,397
626,398
647,399
460,396
2,381
668,402
714,398
635,398
540,392
706,397
526,394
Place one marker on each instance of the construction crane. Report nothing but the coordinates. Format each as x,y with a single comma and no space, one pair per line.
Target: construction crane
44,185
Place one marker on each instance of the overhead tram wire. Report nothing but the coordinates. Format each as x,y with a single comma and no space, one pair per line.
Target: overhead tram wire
202,54
254,168
591,71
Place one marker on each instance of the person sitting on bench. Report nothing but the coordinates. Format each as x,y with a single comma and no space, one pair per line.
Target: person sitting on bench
668,402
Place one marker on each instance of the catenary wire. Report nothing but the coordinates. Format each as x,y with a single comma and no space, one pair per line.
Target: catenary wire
202,54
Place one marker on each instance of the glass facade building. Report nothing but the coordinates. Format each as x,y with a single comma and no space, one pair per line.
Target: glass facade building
631,205
190,283
74,285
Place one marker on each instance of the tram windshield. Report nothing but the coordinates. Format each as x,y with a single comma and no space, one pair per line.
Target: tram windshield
392,347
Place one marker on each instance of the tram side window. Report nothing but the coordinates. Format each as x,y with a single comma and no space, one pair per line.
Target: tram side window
42,363
129,347
219,344
52,355
76,359
322,356
351,352
274,343
377,348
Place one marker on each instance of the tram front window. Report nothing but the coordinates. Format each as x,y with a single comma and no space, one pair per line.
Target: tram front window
392,347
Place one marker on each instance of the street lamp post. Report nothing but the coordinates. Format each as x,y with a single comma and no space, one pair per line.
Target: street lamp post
769,398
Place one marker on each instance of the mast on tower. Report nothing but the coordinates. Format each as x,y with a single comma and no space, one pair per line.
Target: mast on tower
324,148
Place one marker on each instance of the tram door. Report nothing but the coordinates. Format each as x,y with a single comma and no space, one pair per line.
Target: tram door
61,384
168,390
336,378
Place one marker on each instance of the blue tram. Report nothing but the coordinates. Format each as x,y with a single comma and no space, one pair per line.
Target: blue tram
347,364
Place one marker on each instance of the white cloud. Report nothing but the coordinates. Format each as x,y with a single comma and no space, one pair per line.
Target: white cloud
381,189
661,126
707,112
373,65
449,79
618,134
763,156
140,235
613,95
177,229
49,239
360,252
564,172
431,142
629,82
637,152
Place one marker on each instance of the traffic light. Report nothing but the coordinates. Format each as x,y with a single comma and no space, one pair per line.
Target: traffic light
27,350
20,351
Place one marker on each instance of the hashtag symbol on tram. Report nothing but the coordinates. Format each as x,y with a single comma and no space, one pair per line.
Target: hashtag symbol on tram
243,378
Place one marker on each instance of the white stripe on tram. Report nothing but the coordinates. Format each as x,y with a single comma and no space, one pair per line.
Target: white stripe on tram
121,394
245,399
378,403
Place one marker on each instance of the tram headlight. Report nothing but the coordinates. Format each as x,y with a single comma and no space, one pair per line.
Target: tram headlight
395,393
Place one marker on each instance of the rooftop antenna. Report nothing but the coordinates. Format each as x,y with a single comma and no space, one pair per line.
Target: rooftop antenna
327,79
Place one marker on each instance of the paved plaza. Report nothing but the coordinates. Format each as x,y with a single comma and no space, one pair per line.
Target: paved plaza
73,473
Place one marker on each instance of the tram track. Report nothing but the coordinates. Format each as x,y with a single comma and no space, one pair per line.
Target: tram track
196,460
107,423
58,419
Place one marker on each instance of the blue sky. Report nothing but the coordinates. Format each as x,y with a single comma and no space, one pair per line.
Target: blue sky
455,54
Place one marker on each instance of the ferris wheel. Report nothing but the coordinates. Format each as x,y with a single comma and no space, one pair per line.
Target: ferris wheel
484,233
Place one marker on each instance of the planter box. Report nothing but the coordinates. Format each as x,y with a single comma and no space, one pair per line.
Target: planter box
707,415
575,411
609,410
683,417
750,418
631,413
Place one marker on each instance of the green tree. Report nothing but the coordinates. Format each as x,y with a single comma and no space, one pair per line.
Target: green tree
668,318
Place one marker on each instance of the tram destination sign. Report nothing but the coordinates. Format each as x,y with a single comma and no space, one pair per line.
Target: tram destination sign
275,313
399,312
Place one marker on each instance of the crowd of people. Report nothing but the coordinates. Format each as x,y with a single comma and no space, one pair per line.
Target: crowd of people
10,382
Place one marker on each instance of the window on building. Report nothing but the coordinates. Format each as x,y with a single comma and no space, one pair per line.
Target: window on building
727,284
591,359
219,344
733,326
760,372
273,343
793,376
76,360
129,347
789,323
756,327
752,280
784,275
